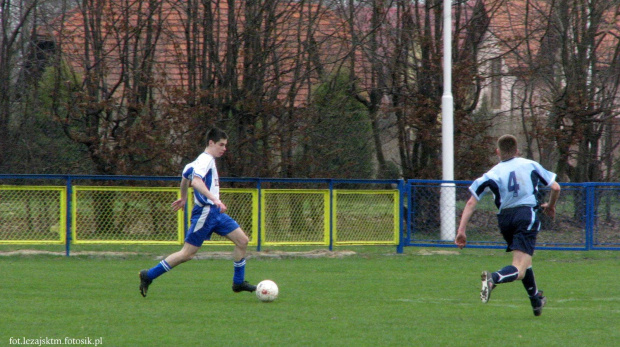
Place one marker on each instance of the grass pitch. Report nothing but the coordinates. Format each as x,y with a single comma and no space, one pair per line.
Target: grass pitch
425,297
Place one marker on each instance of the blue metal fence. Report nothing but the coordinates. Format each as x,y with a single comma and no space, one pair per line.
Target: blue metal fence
262,185
587,214
587,217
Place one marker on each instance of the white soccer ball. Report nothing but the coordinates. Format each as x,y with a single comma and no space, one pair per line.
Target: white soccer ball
267,291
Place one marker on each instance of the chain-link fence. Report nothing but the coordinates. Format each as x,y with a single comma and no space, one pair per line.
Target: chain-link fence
130,210
325,212
32,214
242,207
125,215
367,216
602,215
295,216
586,217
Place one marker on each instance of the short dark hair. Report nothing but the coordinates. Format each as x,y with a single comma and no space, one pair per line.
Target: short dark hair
507,145
216,134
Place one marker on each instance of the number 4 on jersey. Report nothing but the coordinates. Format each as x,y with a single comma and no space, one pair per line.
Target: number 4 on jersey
513,185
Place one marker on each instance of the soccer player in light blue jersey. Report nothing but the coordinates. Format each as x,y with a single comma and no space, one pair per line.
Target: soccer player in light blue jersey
208,216
514,183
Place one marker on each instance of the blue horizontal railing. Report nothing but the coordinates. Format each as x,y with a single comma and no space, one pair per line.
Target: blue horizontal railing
587,216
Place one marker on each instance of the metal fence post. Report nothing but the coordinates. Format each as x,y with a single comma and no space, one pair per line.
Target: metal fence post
331,215
69,215
590,212
411,210
259,228
401,208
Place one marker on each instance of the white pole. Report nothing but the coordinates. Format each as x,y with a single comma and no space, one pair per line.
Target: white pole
448,190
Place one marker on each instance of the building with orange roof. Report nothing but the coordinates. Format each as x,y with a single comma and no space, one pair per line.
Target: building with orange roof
187,45
278,51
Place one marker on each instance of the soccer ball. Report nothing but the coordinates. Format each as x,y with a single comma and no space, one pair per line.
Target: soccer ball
267,291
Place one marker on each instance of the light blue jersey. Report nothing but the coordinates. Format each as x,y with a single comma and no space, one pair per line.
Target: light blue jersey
513,182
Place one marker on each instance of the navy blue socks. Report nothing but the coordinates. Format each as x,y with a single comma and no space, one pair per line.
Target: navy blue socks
507,274
529,283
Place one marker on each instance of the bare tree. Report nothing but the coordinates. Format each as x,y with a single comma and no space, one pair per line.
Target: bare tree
109,48
567,54
257,63
16,24
398,50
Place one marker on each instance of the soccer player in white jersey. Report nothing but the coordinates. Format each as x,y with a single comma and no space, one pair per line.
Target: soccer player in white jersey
514,183
208,216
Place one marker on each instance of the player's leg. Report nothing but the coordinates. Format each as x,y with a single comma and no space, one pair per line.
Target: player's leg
506,222
519,228
537,300
525,243
490,280
198,232
186,253
147,276
510,273
523,247
240,239
521,261
529,282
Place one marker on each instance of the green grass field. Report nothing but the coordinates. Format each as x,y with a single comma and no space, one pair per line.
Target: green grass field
425,297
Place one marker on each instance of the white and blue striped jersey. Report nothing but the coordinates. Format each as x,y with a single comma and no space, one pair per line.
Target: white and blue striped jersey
513,182
188,171
204,167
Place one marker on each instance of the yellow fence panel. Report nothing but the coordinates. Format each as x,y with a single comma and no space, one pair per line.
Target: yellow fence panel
33,215
143,215
295,217
242,206
128,215
366,217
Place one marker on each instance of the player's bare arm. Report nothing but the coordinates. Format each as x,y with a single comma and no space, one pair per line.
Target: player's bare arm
179,204
549,207
468,211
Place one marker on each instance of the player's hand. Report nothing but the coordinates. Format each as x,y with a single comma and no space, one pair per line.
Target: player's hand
460,240
177,205
221,205
548,210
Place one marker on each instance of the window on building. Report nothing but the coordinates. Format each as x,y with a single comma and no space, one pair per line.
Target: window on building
496,83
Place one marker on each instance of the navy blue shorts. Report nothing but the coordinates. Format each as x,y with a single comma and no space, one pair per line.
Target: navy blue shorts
208,220
519,227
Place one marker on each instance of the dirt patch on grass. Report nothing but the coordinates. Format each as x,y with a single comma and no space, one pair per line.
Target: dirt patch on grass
33,252
437,252
271,254
319,253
